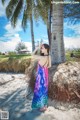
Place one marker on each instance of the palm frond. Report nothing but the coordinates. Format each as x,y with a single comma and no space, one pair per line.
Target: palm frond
28,11
29,7
40,2
24,19
3,1
36,14
43,13
16,13
10,8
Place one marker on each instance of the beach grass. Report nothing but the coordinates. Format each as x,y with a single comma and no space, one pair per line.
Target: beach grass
18,63
25,56
69,58
14,63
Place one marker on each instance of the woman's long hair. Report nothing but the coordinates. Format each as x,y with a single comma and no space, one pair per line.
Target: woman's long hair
46,46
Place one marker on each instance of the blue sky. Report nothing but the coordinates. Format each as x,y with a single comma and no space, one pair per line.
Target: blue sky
10,37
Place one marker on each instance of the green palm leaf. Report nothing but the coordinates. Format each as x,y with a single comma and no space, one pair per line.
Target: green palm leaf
3,1
16,13
24,19
11,7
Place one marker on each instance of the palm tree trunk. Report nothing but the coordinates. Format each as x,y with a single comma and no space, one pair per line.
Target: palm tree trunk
57,43
49,25
48,32
32,33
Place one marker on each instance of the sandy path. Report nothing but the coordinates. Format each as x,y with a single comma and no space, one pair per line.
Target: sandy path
13,98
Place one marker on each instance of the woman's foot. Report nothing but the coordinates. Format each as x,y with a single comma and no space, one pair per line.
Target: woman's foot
43,109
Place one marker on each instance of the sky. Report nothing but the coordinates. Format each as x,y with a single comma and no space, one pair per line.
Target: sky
10,37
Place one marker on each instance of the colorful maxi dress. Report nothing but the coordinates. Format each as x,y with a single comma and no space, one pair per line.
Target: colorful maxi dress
40,98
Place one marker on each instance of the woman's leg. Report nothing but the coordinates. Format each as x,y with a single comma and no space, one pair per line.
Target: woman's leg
43,108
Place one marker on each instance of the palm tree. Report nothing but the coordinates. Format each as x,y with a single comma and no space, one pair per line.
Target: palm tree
45,10
23,8
57,14
49,23
57,44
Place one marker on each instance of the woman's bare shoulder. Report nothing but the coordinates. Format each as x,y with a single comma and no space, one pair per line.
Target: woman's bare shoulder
37,57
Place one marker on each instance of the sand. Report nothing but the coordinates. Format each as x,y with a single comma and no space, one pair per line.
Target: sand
13,92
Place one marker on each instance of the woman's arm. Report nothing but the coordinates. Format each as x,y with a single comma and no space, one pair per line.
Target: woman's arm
34,52
34,55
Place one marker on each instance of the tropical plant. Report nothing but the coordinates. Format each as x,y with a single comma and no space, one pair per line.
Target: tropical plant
22,9
49,12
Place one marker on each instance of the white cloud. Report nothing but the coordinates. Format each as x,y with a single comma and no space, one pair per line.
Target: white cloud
11,38
11,30
29,45
74,27
72,42
11,44
69,42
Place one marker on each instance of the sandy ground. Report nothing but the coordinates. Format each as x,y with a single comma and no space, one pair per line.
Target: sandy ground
13,91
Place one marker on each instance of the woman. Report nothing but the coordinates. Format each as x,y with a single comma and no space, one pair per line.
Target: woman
40,98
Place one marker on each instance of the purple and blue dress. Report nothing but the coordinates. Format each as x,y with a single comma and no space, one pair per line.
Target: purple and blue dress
40,98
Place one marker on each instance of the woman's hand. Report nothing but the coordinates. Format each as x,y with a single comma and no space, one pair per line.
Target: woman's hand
40,45
36,49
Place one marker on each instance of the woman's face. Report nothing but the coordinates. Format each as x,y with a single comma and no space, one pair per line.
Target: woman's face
43,50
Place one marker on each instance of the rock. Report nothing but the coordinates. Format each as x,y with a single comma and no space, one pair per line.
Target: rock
65,82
